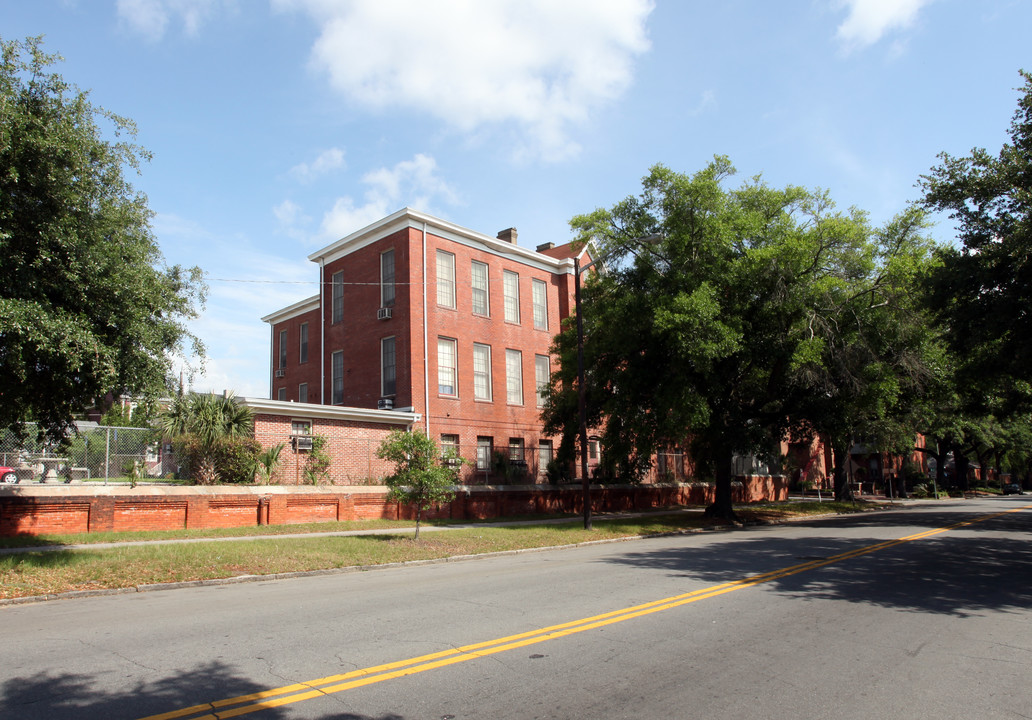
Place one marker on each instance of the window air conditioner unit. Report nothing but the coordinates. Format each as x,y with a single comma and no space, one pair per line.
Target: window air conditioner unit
385,404
383,314
302,442
281,372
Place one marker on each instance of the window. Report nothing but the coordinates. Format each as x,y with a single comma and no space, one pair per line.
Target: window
514,377
541,377
481,296
485,447
282,348
388,377
593,449
300,427
540,298
446,367
450,449
302,392
387,278
445,279
544,455
511,290
481,372
337,377
303,350
516,454
281,394
337,290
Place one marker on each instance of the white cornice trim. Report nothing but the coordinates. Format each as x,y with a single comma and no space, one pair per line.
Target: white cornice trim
407,217
328,412
298,308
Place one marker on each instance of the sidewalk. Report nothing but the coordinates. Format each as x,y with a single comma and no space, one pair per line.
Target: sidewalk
423,528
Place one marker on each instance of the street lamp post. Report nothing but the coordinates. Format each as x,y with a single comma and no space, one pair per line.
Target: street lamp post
581,408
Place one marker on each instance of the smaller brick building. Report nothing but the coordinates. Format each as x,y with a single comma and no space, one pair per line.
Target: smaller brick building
352,436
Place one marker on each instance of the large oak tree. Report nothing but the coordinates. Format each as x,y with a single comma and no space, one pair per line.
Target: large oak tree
87,305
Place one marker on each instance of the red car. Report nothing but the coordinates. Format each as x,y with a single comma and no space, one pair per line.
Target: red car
7,475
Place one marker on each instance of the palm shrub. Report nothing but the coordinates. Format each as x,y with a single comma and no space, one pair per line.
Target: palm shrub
213,437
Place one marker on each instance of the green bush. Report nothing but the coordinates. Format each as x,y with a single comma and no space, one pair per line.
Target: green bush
228,460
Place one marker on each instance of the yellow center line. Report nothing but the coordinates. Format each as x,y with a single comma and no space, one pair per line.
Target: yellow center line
288,694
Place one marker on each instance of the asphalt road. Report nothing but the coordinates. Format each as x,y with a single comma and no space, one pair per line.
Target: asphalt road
888,615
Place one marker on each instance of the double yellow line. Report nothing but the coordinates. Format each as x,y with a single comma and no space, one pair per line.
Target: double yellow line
288,694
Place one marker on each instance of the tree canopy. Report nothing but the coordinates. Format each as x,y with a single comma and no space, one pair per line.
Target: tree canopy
87,306
984,289
723,314
422,477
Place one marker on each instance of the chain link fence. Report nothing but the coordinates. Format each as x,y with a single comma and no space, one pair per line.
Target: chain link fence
92,453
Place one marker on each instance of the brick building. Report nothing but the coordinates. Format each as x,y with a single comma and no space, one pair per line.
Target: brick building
419,315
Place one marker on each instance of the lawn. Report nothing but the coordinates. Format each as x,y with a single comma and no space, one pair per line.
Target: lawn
42,573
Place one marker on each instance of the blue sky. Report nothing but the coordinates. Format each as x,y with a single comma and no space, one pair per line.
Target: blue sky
279,126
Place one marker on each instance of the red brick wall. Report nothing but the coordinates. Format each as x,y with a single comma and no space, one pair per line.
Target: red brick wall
37,511
351,446
295,371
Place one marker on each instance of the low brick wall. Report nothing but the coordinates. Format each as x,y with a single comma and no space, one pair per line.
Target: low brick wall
76,509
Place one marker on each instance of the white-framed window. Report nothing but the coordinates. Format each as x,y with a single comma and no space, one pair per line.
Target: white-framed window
445,279
485,446
511,292
337,377
514,377
302,355
516,450
282,348
544,455
450,449
481,372
302,393
446,368
281,394
387,278
481,289
300,427
337,294
542,374
388,367
539,293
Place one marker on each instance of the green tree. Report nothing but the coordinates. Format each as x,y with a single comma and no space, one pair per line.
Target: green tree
86,305
698,336
213,436
984,289
422,477
871,349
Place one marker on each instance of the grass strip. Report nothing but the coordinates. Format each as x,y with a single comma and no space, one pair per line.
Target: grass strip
43,573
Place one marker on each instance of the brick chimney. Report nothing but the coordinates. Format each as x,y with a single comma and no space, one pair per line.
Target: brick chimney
508,235
545,246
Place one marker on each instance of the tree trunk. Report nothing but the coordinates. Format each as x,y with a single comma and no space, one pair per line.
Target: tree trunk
418,514
723,471
840,456
961,464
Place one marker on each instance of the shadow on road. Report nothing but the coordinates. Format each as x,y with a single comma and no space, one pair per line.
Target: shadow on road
57,696
961,572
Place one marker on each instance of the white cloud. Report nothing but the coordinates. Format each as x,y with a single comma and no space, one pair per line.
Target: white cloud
539,66
412,183
327,162
869,20
151,17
